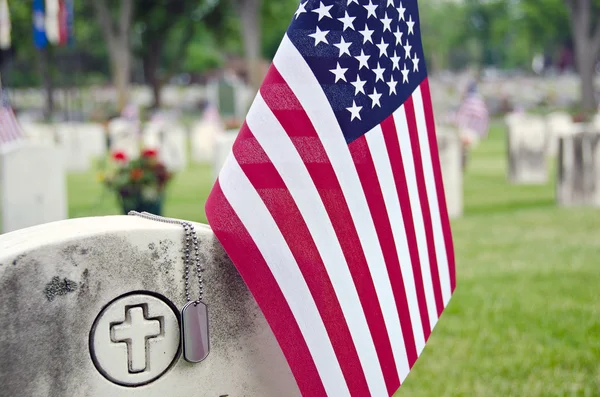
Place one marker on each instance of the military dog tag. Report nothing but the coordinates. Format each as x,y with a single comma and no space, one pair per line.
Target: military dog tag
194,331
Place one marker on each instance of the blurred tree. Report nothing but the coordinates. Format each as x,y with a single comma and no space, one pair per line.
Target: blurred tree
118,41
173,22
250,17
585,27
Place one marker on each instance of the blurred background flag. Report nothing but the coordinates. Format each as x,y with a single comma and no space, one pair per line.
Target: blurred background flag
10,131
63,29
39,24
53,21
70,17
331,204
472,116
5,41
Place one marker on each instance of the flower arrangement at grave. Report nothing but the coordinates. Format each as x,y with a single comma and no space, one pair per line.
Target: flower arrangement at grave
139,183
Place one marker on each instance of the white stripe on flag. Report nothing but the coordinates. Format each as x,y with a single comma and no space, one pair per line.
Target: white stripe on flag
434,206
281,151
381,159
255,216
415,205
296,72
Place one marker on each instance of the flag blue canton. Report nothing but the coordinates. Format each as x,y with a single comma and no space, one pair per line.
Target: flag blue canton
366,54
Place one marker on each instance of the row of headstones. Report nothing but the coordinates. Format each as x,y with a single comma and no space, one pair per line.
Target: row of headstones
533,141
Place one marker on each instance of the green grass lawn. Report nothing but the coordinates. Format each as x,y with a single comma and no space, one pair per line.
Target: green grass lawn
525,318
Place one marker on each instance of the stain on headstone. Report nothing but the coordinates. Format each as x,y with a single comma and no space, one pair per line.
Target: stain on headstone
58,287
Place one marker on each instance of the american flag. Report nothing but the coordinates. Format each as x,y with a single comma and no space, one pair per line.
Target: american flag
10,131
331,204
473,115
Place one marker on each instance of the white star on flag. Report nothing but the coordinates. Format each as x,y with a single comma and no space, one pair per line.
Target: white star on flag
401,11
404,74
371,9
343,46
362,59
359,85
340,73
320,36
415,61
387,23
382,48
398,35
348,21
410,23
392,84
395,61
378,73
323,11
301,9
355,111
407,49
375,96
367,34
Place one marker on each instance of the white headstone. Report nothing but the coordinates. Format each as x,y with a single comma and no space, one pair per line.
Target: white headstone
223,145
578,181
450,150
124,136
558,124
32,186
39,133
527,143
203,135
89,308
169,139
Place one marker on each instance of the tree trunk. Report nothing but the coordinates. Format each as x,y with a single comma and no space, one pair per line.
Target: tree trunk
151,62
586,38
45,64
119,45
250,16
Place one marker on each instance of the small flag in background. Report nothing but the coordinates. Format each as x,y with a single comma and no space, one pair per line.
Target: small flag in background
52,11
473,116
5,41
331,204
39,24
63,29
10,131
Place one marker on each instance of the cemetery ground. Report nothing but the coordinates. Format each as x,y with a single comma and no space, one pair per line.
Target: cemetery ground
525,318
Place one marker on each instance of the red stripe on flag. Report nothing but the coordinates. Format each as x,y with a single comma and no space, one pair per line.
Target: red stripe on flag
416,150
296,123
282,207
390,135
370,183
437,171
242,250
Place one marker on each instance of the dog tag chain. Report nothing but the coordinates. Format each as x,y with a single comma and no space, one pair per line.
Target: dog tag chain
194,314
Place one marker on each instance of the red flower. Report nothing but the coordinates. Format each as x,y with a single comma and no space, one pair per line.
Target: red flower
149,153
137,174
120,156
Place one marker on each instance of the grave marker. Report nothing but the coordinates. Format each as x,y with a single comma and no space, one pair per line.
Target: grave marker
527,145
90,308
578,181
450,151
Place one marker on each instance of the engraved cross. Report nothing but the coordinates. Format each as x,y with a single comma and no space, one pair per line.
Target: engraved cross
135,331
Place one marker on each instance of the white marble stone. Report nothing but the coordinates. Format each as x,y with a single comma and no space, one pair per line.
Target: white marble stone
527,146
124,136
578,180
450,151
223,145
203,134
32,186
170,140
39,133
79,296
81,143
558,124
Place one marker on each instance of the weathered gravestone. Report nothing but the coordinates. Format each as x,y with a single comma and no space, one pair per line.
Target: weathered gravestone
32,186
80,143
578,181
223,144
450,151
558,124
527,142
90,306
169,139
39,133
203,135
124,136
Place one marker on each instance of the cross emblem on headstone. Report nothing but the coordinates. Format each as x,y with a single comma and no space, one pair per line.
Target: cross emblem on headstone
135,331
